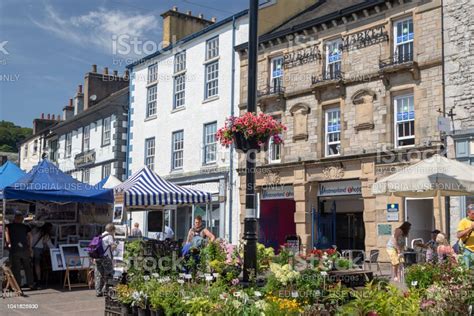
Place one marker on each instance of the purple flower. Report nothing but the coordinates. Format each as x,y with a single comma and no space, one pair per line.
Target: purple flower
235,281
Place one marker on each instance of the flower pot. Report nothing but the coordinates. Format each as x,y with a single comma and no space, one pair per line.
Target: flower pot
143,312
244,145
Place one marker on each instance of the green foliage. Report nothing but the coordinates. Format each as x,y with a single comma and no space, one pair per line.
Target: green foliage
11,135
264,257
422,275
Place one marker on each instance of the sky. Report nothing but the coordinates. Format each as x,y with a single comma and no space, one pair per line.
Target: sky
47,46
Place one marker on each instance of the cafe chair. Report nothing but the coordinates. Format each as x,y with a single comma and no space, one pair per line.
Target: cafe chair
374,259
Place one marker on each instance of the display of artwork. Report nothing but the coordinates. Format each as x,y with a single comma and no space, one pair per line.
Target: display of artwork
57,263
73,239
66,230
71,255
54,212
15,206
120,231
118,213
118,252
83,244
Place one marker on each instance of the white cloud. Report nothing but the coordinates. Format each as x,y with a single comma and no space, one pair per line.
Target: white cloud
98,28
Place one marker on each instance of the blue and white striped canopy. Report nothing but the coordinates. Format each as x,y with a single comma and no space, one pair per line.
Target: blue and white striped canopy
146,188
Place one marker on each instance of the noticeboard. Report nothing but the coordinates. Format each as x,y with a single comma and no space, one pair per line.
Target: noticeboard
384,229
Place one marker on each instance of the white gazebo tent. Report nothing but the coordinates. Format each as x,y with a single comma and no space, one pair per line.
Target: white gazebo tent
433,177
147,190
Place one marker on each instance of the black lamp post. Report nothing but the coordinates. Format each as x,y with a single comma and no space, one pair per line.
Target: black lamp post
250,222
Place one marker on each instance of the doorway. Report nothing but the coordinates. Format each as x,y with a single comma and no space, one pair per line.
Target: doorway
419,212
277,220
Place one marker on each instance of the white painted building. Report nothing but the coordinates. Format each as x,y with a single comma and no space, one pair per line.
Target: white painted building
179,98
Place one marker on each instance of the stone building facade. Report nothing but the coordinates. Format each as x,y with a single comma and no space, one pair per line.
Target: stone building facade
358,85
458,29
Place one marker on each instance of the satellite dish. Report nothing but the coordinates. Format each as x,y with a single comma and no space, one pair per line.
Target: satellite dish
93,97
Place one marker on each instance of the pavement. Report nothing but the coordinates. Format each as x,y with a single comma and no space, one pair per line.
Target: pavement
54,302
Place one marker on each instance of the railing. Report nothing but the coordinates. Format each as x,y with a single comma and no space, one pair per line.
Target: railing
269,90
396,59
327,76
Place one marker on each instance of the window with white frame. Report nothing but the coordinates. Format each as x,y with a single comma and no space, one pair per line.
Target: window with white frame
152,73
212,79
25,149
35,147
276,78
333,59
150,153
179,90
210,143
68,146
106,170
179,62
212,48
86,175
86,136
177,146
404,120
151,101
106,131
333,132
53,145
403,43
274,151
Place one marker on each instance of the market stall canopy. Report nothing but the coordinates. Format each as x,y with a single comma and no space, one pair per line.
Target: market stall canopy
146,188
45,182
109,182
428,178
9,173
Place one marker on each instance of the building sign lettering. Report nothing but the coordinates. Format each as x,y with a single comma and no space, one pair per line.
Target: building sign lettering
277,193
350,187
372,36
84,159
302,56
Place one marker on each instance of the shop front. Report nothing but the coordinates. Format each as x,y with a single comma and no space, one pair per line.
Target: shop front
339,217
277,215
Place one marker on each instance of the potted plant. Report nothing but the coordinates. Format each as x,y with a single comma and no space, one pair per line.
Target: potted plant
250,131
124,296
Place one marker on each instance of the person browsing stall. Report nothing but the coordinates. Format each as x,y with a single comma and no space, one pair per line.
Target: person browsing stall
41,244
466,235
395,247
104,267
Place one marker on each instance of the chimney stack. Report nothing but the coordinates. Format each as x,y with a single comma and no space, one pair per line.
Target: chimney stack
115,73
106,70
201,16
59,117
54,117
94,68
68,111
49,116
42,116
189,12
79,89
213,19
175,8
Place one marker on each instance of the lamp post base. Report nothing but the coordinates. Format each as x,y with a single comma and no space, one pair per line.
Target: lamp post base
250,249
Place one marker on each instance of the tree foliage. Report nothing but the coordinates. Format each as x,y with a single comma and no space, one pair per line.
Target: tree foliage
11,135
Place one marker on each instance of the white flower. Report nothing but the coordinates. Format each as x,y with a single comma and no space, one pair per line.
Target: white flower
146,278
324,273
237,294
414,283
257,294
236,304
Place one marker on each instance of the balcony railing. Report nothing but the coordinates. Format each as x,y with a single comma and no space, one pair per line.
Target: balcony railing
396,59
270,90
327,76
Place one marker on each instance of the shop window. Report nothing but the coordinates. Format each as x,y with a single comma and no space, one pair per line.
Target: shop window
333,132
151,101
150,153
276,75
152,73
404,121
210,143
177,144
403,40
333,60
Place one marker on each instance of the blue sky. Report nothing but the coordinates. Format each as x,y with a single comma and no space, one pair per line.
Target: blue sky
46,46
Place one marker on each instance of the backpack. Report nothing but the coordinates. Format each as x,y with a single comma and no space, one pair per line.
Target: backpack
95,248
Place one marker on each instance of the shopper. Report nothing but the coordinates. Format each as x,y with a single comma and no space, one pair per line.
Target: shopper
19,241
198,230
395,247
444,250
466,235
104,267
431,247
136,232
41,245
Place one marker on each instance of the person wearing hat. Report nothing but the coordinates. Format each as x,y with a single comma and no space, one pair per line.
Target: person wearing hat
19,242
432,245
466,235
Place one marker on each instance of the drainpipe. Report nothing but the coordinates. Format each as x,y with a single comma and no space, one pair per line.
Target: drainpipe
447,204
129,119
231,151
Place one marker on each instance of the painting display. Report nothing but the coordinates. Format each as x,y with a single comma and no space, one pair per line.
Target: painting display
66,230
12,207
120,231
71,255
57,263
118,213
118,252
54,212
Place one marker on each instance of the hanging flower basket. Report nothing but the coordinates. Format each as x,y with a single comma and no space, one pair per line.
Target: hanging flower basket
250,132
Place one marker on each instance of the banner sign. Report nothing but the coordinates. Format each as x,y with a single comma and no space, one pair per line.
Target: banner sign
349,187
302,56
277,192
372,36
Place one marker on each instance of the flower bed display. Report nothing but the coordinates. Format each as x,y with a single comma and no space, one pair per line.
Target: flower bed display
250,131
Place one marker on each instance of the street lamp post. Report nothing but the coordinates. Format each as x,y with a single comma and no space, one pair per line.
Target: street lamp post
250,222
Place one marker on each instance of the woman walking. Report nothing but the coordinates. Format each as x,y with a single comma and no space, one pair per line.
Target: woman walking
41,245
395,247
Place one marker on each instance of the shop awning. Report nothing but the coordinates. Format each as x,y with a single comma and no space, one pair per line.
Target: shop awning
146,188
45,182
9,173
435,176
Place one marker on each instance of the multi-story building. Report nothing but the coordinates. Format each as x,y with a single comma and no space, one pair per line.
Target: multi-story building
459,96
90,143
180,96
358,85
33,148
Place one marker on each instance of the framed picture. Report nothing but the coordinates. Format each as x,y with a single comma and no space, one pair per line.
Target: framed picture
120,231
57,263
15,206
73,239
71,255
87,231
118,252
118,213
66,230
83,244
102,213
54,212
